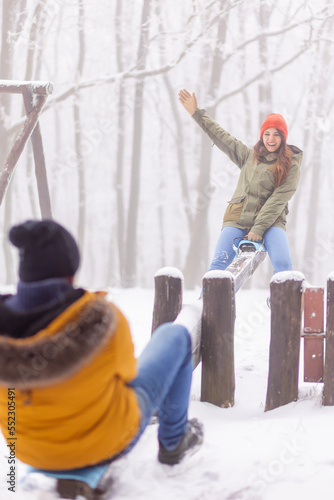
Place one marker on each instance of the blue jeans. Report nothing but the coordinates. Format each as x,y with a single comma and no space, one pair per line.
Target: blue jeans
276,243
163,383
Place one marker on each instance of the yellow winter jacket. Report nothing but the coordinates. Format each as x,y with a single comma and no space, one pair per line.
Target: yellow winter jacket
73,406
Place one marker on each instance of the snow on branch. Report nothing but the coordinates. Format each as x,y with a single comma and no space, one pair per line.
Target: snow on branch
133,73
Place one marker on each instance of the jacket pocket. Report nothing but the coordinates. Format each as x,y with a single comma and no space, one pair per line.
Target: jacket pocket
234,209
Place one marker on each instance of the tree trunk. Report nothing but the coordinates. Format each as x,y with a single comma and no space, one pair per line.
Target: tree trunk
198,253
323,90
120,144
77,129
9,11
179,149
130,277
247,107
265,86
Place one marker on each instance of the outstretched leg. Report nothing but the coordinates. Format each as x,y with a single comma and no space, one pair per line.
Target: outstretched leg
163,382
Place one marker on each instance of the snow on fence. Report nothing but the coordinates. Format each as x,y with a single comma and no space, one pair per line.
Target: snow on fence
34,95
297,312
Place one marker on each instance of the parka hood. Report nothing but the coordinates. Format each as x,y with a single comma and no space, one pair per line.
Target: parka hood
297,154
55,353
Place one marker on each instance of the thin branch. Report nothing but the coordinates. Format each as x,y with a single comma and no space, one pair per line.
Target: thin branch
279,31
256,77
132,73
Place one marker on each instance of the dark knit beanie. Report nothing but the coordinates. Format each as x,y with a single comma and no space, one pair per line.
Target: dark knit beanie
46,250
275,120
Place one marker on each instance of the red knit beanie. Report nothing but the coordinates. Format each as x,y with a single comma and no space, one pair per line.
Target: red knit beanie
275,120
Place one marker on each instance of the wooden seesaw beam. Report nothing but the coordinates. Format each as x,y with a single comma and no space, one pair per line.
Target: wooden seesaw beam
245,264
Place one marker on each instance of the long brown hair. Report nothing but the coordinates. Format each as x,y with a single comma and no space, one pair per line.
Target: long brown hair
283,158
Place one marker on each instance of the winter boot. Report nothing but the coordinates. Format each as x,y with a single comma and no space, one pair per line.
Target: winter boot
192,439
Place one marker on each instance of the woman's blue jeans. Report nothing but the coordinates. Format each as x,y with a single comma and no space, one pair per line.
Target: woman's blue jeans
276,243
163,383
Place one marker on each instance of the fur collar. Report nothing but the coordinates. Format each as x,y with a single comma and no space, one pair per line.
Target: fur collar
39,361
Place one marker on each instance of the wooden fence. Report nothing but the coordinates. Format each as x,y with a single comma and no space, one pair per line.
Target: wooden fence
297,313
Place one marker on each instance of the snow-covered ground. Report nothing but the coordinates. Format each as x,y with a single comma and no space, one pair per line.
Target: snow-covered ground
287,453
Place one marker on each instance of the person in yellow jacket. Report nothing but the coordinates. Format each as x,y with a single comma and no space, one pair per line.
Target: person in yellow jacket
269,176
67,365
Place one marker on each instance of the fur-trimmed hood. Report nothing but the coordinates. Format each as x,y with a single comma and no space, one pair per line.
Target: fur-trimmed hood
60,350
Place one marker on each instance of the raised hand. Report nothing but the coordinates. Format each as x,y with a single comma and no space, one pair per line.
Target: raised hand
188,101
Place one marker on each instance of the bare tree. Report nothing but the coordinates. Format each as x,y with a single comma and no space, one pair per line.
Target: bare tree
130,263
120,167
78,127
265,84
242,67
9,18
197,257
321,98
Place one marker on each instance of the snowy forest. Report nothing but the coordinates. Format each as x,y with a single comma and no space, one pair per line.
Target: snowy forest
129,172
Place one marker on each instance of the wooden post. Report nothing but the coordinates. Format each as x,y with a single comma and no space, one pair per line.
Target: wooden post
286,290
313,334
40,90
168,296
328,395
38,152
218,380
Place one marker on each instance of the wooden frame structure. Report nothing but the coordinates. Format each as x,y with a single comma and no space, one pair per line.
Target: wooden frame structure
34,96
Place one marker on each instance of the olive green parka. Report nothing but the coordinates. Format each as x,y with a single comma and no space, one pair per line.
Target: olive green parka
256,204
